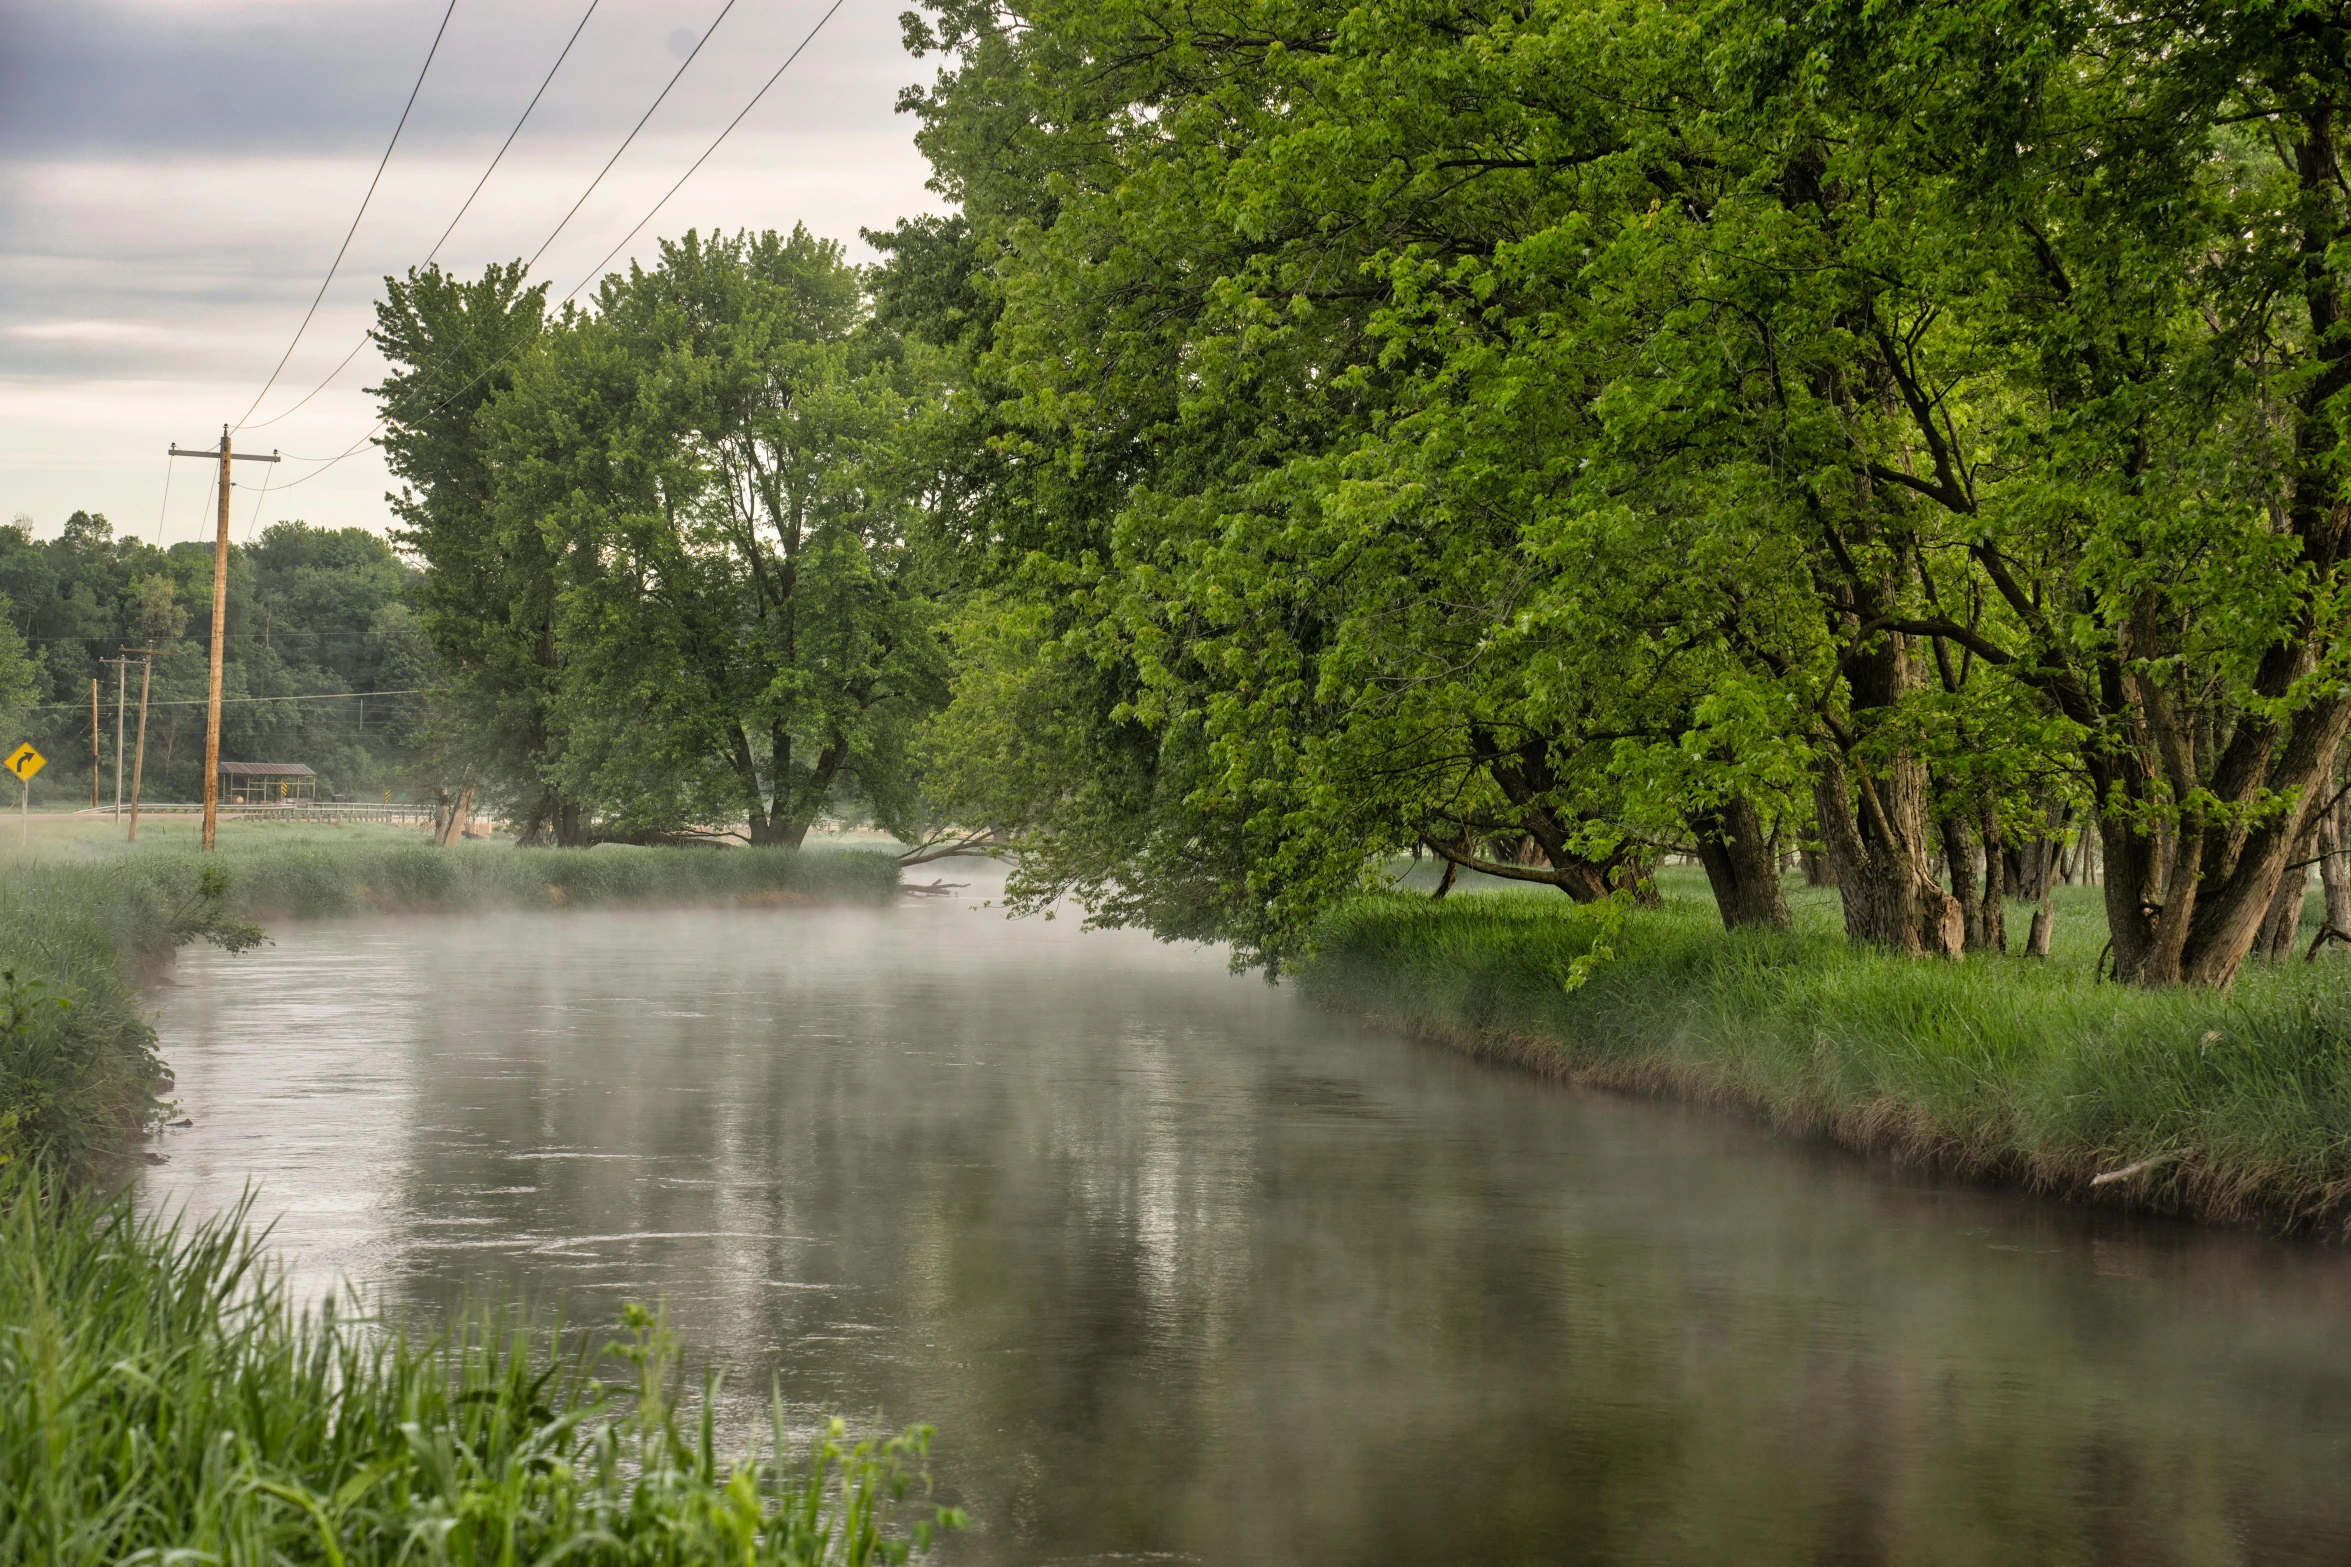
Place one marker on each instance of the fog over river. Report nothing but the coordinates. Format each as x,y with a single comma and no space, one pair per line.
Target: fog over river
1184,1269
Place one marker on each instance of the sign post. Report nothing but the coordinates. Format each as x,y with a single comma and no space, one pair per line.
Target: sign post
24,761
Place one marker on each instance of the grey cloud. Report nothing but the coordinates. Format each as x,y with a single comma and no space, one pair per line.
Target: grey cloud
251,76
175,180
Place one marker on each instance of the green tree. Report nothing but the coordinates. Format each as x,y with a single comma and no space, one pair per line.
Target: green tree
487,601
79,598
20,683
1638,426
720,456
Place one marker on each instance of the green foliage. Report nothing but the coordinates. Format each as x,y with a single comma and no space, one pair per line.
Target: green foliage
2015,1068
163,1399
312,612
486,603
1592,423
20,677
677,548
79,1076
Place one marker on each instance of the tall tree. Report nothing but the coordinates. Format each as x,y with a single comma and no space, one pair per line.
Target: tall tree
721,458
487,602
1620,419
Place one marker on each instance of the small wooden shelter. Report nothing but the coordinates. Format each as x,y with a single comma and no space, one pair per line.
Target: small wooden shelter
266,783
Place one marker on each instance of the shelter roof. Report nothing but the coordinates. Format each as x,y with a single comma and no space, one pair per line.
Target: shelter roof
265,770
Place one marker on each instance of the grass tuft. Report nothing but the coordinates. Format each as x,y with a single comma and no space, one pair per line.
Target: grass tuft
162,1400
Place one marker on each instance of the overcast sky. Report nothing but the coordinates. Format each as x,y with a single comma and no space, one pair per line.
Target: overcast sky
175,178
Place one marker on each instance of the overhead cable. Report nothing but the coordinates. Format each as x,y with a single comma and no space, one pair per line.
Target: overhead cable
345,248
544,82
231,701
361,444
598,269
630,137
165,509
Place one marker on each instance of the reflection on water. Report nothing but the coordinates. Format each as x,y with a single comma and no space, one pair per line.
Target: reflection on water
1182,1269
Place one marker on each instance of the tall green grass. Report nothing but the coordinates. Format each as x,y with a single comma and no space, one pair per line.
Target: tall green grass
79,931
310,879
1996,1066
78,1070
162,1400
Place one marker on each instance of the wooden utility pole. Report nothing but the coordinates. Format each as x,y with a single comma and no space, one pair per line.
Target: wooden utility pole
122,671
139,766
96,761
220,611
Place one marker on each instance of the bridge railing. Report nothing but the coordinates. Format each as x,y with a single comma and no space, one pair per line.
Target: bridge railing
288,811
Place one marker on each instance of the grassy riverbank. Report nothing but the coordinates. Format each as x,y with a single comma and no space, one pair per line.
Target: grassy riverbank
2004,1068
161,1399
78,927
324,874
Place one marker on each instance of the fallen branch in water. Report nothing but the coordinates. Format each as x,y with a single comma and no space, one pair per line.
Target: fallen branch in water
2140,1168
950,842
937,889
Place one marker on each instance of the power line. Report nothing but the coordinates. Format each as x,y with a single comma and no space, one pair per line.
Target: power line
228,701
359,445
210,490
707,34
518,125
597,270
716,142
70,637
263,424
164,510
258,501
337,263
544,83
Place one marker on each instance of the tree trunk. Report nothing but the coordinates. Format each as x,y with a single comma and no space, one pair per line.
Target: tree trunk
1816,868
1445,882
1873,825
571,832
2036,941
2188,903
1879,857
1995,897
451,816
2283,923
1741,865
1586,881
798,802
2333,874
1525,777
1959,855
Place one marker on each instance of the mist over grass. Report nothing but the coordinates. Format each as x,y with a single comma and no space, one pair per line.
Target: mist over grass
2002,1067
295,878
163,1399
84,920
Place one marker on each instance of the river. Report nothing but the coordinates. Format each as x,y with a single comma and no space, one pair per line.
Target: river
1185,1270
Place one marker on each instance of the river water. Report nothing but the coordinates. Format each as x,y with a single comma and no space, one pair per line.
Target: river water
1183,1269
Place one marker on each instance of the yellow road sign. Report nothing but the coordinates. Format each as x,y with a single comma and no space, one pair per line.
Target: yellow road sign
24,761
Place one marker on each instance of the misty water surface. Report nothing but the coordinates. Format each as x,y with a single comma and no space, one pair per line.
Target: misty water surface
1185,1270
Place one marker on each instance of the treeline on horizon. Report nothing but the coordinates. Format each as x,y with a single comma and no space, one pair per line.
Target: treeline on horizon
1544,436
312,613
